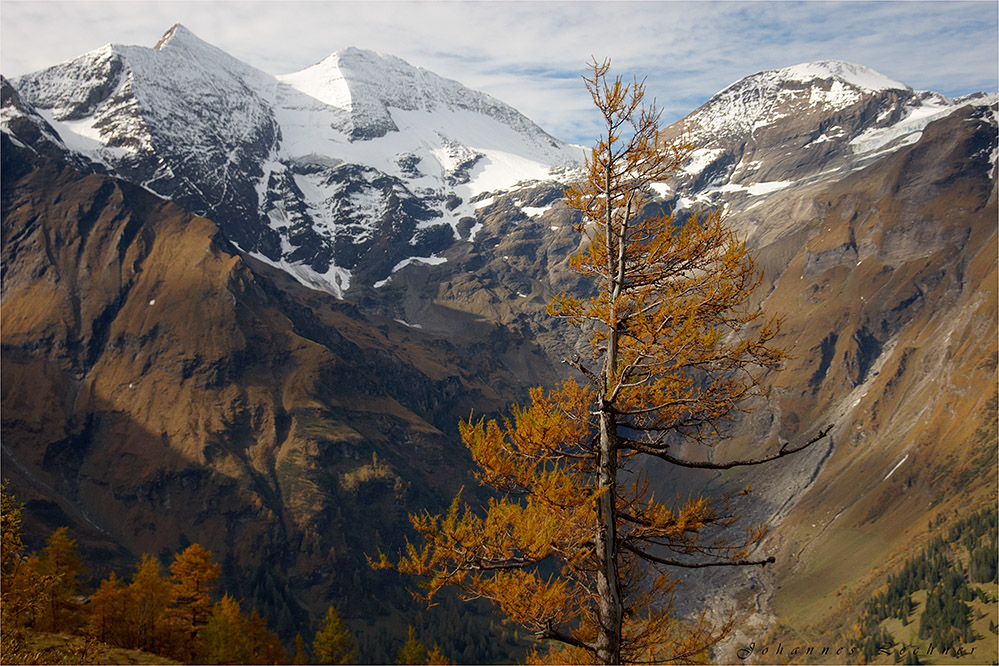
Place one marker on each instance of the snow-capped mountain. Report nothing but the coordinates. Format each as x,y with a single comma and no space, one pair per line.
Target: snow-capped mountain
351,166
160,386
779,130
348,170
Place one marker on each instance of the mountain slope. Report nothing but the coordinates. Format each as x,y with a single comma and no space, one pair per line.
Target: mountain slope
884,268
197,371
158,387
898,290
350,166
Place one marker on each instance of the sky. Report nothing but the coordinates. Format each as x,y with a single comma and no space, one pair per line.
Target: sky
532,54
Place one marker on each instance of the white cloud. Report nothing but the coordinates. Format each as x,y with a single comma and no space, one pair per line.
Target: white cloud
531,54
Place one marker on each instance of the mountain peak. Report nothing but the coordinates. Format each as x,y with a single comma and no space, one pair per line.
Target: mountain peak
354,52
293,168
365,85
355,76
179,42
858,76
176,31
824,86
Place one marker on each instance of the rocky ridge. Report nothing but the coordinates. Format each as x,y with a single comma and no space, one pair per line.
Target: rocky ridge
347,168
780,130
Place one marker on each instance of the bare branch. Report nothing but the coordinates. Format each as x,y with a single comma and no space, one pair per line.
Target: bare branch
707,464
550,633
576,363
697,565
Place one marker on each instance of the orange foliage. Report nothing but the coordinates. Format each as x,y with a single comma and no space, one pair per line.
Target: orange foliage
569,550
59,570
150,596
109,609
193,578
174,617
223,639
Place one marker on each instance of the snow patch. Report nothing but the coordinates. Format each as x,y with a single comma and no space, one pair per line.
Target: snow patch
432,260
662,189
906,131
829,135
855,75
753,189
334,281
897,465
536,211
700,159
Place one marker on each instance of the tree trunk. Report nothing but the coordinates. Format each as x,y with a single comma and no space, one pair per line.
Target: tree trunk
609,605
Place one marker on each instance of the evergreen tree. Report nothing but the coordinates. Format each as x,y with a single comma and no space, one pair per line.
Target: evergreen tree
412,651
983,564
334,643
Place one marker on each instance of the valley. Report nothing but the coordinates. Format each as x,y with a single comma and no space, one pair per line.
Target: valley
261,337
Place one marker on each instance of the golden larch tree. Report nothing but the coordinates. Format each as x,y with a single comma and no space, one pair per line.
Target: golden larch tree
576,547
265,646
11,542
60,569
300,656
19,585
110,612
412,651
193,578
150,594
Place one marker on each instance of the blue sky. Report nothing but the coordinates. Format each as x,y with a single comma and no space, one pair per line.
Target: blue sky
531,54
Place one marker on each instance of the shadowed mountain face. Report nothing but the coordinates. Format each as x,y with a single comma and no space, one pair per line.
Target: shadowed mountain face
159,387
168,378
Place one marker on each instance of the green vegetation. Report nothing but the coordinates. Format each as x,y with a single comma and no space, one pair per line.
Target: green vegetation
334,644
946,574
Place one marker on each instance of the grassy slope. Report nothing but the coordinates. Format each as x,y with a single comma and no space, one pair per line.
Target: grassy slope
925,411
36,647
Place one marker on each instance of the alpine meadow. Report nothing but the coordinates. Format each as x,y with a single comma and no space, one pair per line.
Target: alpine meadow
359,365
